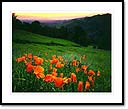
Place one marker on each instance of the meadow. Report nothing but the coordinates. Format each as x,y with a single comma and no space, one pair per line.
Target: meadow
81,69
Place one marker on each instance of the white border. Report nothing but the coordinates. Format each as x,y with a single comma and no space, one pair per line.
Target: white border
115,8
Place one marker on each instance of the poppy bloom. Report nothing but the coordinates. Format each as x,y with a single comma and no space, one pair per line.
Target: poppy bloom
19,59
98,73
60,58
77,70
48,78
66,81
59,65
54,61
91,72
38,69
35,57
38,61
69,79
40,75
23,58
84,67
73,77
29,67
87,85
90,78
54,74
58,82
74,62
54,57
80,86
30,56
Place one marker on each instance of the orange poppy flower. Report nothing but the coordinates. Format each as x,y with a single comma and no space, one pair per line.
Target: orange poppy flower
74,62
23,58
54,70
84,67
53,78
91,72
64,78
90,78
87,85
80,86
38,69
73,77
58,82
29,67
98,73
35,57
66,81
30,56
48,78
69,79
59,65
40,75
18,59
77,70
54,61
54,74
54,57
60,58
38,61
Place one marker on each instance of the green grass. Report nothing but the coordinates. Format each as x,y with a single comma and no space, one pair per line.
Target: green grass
26,42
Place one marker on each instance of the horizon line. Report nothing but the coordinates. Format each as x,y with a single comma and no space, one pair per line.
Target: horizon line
54,16
52,20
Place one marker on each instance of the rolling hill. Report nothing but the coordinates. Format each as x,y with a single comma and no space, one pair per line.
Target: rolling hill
24,42
24,37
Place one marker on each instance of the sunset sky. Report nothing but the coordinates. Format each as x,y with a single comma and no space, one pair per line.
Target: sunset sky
52,16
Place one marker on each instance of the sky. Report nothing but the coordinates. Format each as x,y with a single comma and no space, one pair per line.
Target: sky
52,16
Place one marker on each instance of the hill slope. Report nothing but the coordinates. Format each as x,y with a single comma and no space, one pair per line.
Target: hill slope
21,36
25,42
97,29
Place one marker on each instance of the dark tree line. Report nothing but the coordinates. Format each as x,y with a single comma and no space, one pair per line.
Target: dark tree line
76,34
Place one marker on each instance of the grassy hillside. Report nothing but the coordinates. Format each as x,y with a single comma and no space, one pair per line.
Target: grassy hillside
45,47
25,37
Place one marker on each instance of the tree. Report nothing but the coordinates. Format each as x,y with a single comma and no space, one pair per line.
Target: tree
36,27
16,24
